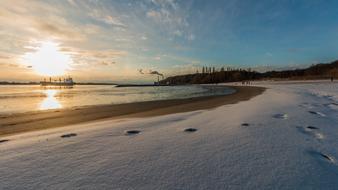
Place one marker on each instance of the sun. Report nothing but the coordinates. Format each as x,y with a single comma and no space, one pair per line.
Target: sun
48,60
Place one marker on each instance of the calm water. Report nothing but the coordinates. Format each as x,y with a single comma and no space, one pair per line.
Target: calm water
23,98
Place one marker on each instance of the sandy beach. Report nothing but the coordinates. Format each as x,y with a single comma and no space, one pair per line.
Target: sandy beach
38,120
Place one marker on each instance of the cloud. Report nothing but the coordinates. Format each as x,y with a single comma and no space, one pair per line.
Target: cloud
155,15
166,3
94,57
8,60
101,16
11,65
113,21
103,54
3,56
140,71
106,63
191,37
178,33
37,20
72,2
171,18
58,30
99,54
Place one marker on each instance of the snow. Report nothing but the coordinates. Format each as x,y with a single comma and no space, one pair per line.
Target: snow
290,142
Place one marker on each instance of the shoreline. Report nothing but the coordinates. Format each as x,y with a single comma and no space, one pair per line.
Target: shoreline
40,120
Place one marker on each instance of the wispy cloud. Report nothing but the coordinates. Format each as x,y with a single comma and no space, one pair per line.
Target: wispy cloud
104,54
94,57
106,18
172,17
166,3
58,30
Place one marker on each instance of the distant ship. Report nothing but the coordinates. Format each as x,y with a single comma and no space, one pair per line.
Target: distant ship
58,82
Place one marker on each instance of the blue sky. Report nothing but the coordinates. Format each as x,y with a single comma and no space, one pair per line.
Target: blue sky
112,40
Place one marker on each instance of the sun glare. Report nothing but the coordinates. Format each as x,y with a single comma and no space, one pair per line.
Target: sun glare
48,60
50,102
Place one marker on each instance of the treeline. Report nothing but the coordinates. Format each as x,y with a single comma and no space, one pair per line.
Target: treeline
213,75
17,83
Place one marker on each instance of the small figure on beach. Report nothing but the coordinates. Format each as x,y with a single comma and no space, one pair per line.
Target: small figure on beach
245,82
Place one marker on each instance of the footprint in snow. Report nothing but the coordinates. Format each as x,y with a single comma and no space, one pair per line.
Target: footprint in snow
132,132
323,156
306,105
280,116
332,105
317,113
328,96
312,127
3,140
327,157
68,135
311,131
190,130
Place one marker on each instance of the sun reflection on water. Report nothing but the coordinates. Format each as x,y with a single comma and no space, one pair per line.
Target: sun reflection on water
50,102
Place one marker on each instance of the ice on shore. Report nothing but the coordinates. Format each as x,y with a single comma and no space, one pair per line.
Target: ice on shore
289,141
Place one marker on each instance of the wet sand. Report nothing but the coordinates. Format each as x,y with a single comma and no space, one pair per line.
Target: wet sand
38,120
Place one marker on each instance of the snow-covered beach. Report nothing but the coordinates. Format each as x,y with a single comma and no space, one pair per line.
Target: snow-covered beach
286,138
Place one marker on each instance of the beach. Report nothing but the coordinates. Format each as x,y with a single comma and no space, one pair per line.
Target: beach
283,138
37,120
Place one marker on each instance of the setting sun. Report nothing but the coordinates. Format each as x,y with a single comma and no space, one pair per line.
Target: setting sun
47,60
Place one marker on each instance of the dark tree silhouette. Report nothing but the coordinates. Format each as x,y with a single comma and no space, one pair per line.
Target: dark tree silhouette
210,75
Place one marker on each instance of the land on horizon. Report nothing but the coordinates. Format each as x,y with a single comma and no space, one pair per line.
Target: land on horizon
229,74
38,83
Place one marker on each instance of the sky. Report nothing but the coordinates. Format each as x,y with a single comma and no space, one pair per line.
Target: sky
124,40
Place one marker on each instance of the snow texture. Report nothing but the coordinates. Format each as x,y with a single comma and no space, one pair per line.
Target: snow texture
290,142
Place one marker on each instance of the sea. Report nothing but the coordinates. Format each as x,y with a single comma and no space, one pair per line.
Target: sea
25,98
